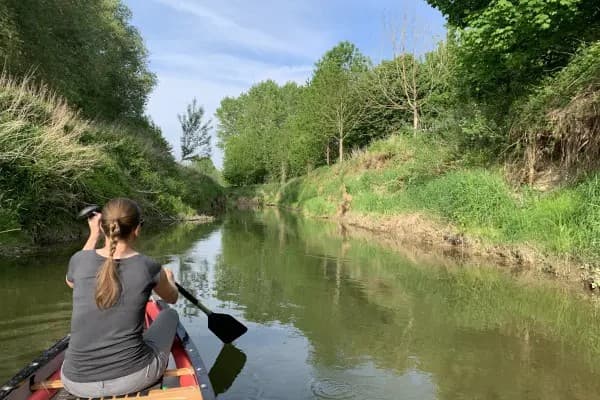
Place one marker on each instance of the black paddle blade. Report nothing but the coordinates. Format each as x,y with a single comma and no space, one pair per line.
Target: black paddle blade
225,327
226,368
89,211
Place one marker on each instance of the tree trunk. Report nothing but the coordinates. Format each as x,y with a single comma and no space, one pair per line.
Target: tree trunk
415,119
341,148
327,153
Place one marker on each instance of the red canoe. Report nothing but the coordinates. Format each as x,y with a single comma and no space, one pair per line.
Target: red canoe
185,378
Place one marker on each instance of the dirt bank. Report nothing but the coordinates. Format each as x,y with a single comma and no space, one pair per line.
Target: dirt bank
419,233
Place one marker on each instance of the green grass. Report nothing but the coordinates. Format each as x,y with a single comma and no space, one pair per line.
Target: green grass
53,162
431,177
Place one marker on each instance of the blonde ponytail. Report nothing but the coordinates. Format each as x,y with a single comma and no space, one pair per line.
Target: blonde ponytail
120,218
108,285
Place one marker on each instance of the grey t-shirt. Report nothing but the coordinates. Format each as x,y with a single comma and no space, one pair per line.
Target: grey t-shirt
108,344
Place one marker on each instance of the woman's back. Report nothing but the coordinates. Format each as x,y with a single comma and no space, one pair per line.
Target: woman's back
108,343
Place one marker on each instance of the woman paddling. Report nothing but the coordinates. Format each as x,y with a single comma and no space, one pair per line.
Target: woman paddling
108,353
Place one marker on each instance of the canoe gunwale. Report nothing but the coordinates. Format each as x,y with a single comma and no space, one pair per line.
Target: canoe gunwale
27,376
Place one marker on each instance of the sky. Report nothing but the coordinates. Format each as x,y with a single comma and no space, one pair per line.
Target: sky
209,50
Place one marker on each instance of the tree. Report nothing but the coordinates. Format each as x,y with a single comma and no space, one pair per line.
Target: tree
87,51
405,83
195,138
459,12
336,96
256,134
229,115
506,47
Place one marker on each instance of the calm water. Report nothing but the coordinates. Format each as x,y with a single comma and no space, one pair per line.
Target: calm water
337,318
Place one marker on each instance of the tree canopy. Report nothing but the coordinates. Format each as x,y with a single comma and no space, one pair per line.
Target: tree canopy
85,50
505,46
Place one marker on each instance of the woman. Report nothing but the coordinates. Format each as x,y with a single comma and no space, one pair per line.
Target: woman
108,353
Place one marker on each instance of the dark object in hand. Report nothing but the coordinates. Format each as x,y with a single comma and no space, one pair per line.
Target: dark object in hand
89,211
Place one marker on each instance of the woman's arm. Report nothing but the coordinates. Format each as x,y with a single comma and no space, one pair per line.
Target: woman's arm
95,232
165,287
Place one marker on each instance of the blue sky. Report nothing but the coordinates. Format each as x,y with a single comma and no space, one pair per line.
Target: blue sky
213,49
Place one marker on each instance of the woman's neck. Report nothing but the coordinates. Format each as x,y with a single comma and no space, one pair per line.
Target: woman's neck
123,250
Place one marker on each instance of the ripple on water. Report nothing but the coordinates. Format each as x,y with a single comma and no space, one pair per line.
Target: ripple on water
332,389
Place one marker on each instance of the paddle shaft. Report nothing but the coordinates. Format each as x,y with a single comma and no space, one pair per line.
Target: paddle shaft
193,299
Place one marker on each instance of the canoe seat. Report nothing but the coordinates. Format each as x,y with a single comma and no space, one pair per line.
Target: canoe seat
153,393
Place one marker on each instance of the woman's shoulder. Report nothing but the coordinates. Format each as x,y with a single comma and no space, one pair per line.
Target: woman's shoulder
147,259
151,264
82,254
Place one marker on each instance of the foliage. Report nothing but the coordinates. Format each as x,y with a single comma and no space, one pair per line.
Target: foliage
507,46
205,166
85,50
336,99
559,122
274,132
459,12
195,135
403,174
409,85
255,131
52,159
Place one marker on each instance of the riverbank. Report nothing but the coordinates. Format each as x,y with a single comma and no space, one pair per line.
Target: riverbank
427,192
53,162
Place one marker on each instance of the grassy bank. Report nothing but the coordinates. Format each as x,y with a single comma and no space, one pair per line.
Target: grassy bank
404,175
53,162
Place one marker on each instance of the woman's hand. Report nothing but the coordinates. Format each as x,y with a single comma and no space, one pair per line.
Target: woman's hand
166,287
94,223
169,275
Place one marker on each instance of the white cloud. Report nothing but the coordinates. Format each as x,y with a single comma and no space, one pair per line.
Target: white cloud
230,69
222,26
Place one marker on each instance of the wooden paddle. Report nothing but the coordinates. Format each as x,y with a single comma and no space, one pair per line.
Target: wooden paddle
224,326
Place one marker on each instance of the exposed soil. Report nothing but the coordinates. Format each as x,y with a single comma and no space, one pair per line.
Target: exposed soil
419,234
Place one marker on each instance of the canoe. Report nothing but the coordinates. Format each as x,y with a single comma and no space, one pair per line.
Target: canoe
186,377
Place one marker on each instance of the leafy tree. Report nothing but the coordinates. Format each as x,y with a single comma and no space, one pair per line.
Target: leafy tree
205,166
406,84
255,133
85,50
398,82
337,100
459,12
195,135
505,46
229,115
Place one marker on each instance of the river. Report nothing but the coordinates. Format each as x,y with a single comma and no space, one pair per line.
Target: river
335,317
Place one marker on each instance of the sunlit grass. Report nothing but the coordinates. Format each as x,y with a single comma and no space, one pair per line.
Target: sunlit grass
427,176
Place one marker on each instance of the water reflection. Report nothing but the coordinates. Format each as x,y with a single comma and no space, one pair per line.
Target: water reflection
334,317
226,368
374,320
